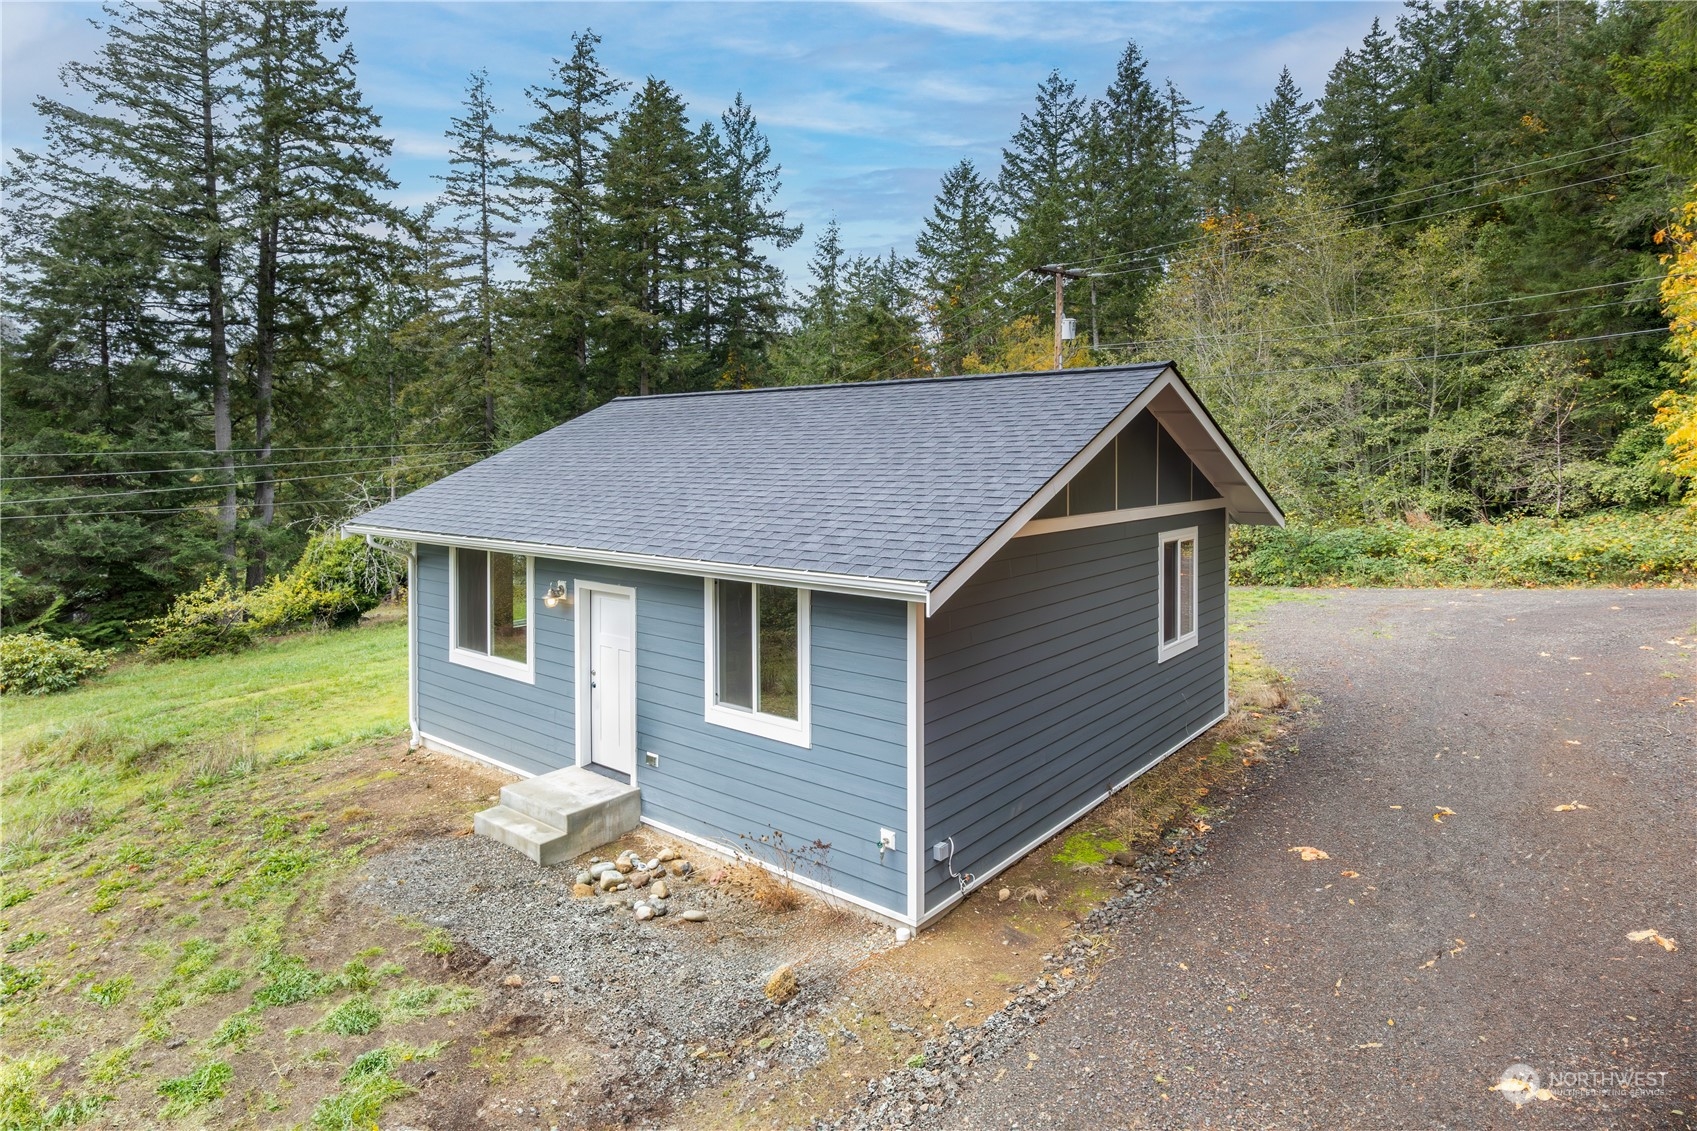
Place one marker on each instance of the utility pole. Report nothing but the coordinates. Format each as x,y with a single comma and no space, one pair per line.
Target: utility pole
1060,275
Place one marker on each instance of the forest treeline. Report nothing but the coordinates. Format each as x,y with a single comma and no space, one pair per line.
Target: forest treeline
1432,290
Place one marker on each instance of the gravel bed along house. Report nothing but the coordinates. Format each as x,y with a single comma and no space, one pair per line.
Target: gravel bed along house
666,1001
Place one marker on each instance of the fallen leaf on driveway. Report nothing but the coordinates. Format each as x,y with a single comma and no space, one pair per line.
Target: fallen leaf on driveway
1570,807
1543,653
1310,853
1645,648
1656,937
1428,964
1349,875
1443,811
1572,742
1372,1045
1511,1084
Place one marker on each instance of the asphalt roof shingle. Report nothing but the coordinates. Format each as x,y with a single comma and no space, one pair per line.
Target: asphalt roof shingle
897,479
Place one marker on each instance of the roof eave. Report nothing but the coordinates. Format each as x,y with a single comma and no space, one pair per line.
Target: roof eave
900,589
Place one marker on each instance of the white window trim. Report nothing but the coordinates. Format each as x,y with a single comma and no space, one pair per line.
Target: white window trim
494,665
795,732
1164,650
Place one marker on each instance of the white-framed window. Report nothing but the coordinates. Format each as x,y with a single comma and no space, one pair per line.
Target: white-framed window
1176,563
489,612
757,659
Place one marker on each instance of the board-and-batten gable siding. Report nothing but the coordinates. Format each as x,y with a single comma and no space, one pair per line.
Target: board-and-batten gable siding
1043,689
714,782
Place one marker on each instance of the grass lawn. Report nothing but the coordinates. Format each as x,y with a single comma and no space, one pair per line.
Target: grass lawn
174,835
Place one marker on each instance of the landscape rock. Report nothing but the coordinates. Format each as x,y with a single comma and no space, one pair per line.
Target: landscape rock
661,891
624,865
580,890
782,986
639,879
644,912
586,878
610,880
666,854
694,915
1003,896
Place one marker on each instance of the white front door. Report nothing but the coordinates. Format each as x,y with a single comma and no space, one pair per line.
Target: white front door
612,682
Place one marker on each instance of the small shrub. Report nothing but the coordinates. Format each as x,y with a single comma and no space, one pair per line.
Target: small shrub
331,563
292,601
209,621
34,663
195,1090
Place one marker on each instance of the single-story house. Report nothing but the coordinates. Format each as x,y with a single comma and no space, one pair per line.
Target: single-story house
928,622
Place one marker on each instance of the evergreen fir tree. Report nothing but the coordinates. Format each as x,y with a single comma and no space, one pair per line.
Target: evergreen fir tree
1037,187
476,196
1278,129
1352,134
960,264
313,175
157,143
747,221
655,188
561,179
1143,204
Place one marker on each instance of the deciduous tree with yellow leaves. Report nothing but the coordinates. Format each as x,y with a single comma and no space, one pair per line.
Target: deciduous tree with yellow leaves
1676,409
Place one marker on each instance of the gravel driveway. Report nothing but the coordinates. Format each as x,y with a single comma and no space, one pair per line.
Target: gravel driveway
1460,924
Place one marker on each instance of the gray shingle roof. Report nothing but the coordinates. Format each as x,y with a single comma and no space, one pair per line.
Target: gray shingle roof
897,479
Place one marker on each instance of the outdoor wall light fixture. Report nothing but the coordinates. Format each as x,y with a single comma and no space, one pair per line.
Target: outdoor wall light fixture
557,595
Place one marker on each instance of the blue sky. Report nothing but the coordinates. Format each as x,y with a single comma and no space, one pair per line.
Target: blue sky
865,104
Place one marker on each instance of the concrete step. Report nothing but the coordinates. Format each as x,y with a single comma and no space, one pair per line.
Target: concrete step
556,816
543,843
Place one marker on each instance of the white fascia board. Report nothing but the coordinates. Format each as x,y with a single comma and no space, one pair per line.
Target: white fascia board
1259,504
889,588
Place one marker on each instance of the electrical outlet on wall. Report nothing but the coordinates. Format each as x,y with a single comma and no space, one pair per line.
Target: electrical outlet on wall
649,758
887,840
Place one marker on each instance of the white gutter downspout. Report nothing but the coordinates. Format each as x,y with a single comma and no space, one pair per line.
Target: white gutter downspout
412,646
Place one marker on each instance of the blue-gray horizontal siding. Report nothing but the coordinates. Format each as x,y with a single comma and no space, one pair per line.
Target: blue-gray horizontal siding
1043,689
715,782
525,726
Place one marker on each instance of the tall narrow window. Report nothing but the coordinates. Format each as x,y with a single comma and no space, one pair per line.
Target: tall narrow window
491,610
758,659
1177,589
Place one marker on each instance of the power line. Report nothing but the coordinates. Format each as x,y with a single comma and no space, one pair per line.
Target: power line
1447,356
1134,256
1325,329
147,510
219,467
205,487
217,452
